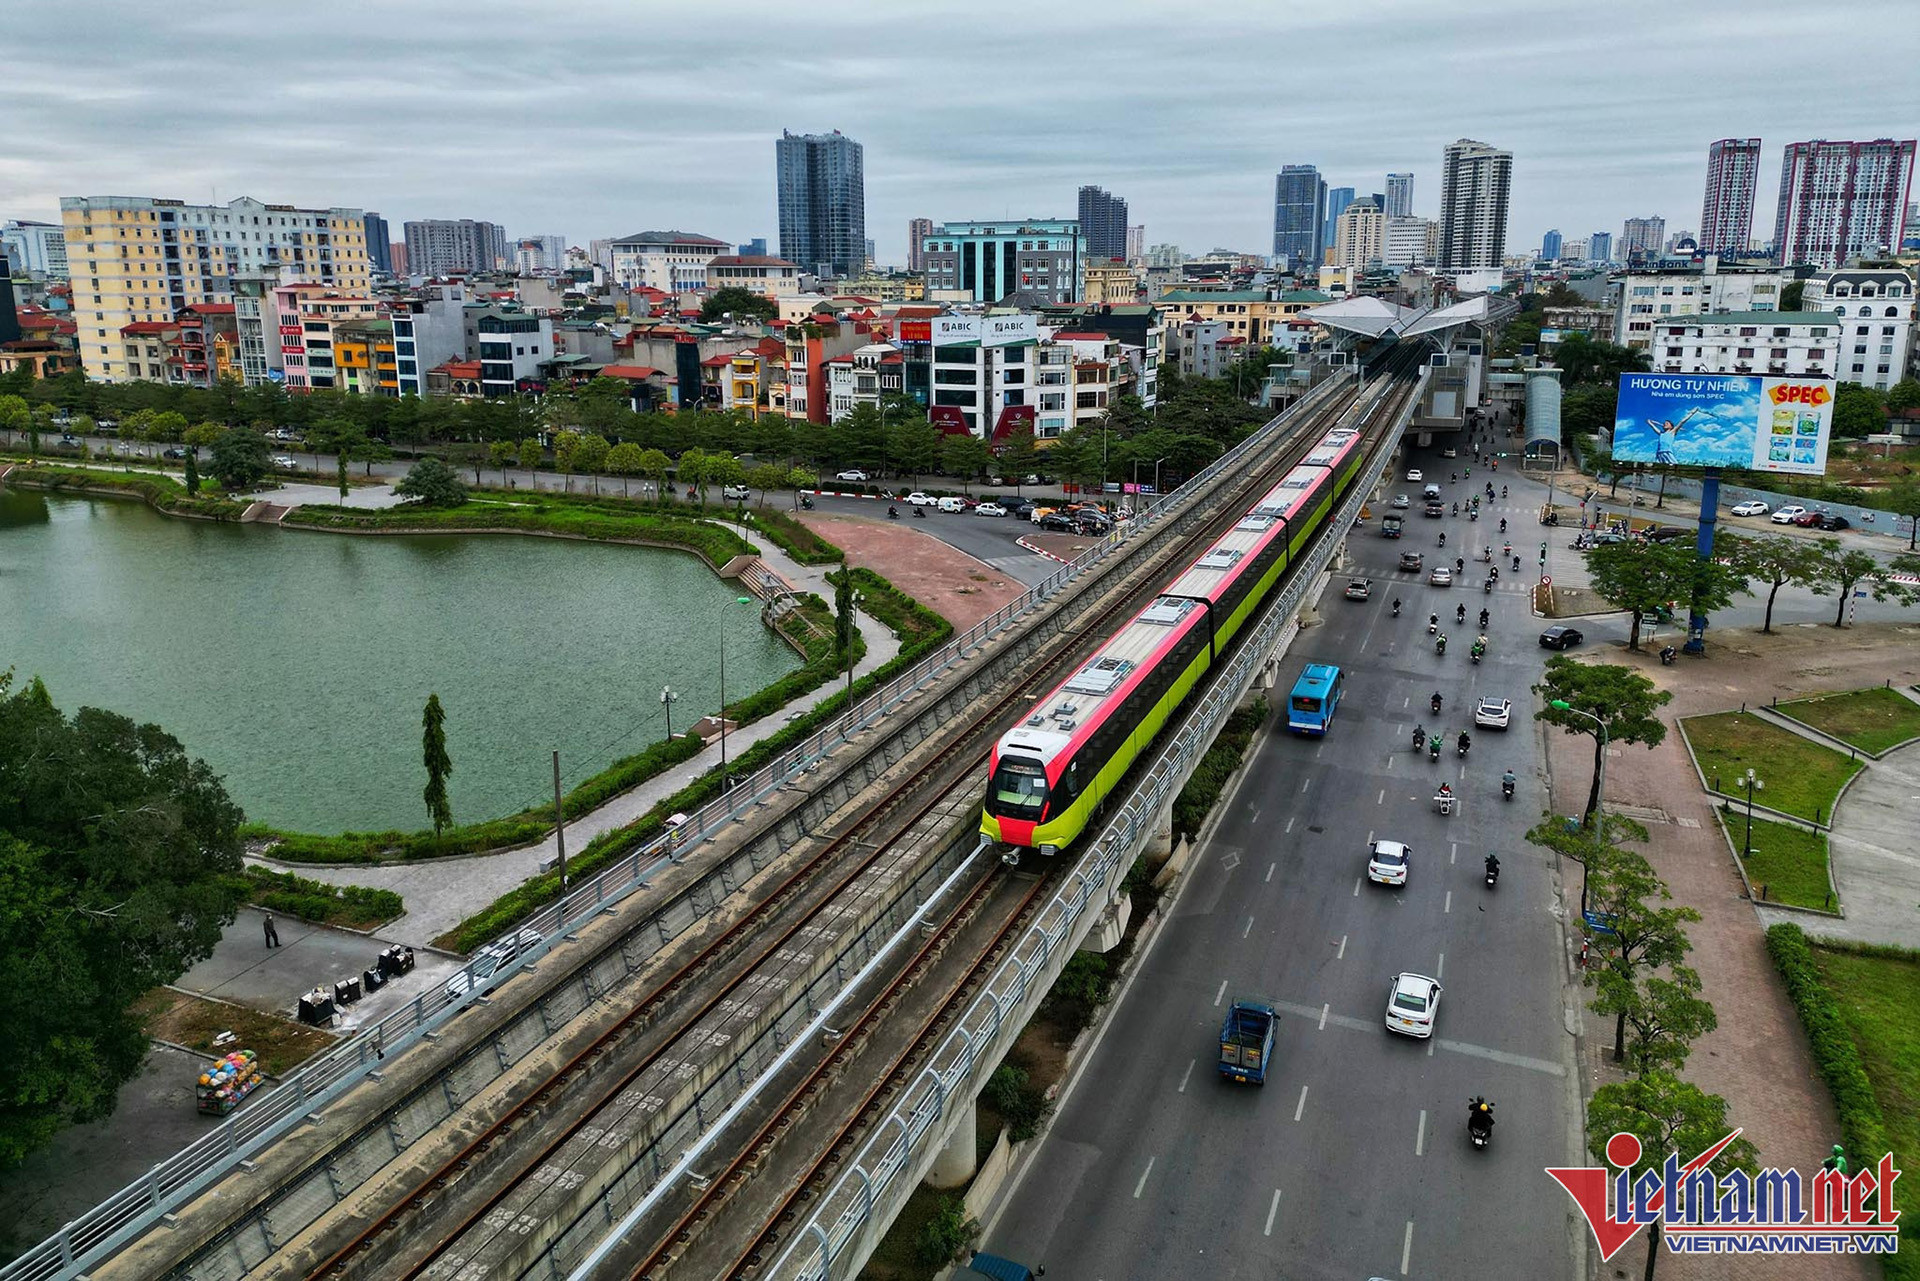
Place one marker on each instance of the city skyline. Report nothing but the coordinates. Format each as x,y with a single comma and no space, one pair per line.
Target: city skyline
404,137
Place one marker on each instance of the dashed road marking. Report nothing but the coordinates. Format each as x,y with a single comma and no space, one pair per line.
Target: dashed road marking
1406,1250
1244,933
1420,1135
1449,903
1324,1011
1222,992
1273,1210
1299,1109
1270,868
1341,955
1141,1186
1184,1076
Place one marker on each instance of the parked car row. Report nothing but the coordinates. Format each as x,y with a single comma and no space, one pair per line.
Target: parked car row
1793,514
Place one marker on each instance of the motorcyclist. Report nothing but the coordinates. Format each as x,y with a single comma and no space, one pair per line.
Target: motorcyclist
1503,488
1440,643
1419,737
1460,614
1483,621
1459,565
1507,780
920,513
893,513
1493,866
1443,538
1433,748
1396,607
1436,702
1454,477
1503,524
1466,741
1456,509
1433,623
1480,1112
1493,572
1516,564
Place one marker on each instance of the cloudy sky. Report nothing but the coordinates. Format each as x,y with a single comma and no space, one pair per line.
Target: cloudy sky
595,119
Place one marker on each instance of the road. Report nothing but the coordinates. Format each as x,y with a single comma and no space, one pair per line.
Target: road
1352,1161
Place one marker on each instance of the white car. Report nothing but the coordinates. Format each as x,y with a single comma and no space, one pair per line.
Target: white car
1415,474
1440,576
492,957
1412,1004
1387,863
1752,507
284,463
1401,502
919,499
1493,713
1786,514
736,491
989,509
852,474
1449,452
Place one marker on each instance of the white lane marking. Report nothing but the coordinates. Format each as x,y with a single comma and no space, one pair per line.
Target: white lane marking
1441,966
1429,1047
1356,887
1324,1011
1449,904
1453,851
1222,992
1420,1135
1273,1210
1184,1076
1545,1067
1141,1186
1249,929
1463,771
1406,700
1270,868
1342,954
1300,1108
1305,783
1289,825
1318,750
1406,1250
1369,836
1382,798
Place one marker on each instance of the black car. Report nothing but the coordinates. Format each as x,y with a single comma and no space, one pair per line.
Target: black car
1668,533
1057,523
175,452
1830,522
1018,508
1558,637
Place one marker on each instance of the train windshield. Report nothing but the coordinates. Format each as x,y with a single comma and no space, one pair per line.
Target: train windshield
1019,787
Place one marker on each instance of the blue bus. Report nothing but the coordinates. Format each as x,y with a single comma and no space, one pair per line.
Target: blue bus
1315,696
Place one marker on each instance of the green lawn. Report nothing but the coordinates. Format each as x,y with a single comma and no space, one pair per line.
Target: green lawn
1801,777
1788,864
1877,994
1871,719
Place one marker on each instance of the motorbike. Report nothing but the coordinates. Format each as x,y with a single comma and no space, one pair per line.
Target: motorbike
919,513
1479,1123
1486,588
1493,872
1396,609
1464,744
1456,509
1516,564
1475,654
1440,644
1506,550
1443,800
1474,514
1433,748
1486,555
893,513
1483,620
1419,737
1503,524
1435,702
806,504
1666,656
1433,624
1460,615
1443,538
1506,787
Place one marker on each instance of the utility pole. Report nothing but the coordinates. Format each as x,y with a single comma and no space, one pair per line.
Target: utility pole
559,822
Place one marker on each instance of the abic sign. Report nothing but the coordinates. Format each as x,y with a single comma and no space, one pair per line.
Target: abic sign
988,331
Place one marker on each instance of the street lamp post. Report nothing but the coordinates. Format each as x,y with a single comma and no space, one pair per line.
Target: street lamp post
667,699
1753,785
1599,796
726,783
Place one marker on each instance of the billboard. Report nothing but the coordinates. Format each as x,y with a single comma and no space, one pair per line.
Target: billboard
987,331
1763,422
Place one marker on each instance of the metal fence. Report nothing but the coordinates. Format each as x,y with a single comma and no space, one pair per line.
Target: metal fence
136,1208
879,1177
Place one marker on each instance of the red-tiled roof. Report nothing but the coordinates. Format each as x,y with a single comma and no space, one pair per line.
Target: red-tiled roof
717,361
1081,337
634,372
458,368
139,327
211,308
770,347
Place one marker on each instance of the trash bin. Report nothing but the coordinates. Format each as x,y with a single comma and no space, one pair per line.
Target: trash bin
373,979
346,991
316,1007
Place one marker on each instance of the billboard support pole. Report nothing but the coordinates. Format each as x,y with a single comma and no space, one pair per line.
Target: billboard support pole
1709,513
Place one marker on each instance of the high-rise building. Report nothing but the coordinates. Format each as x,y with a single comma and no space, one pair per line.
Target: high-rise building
379,243
1475,182
1399,195
987,261
1359,234
1839,200
1136,242
1726,211
823,202
533,254
1299,215
456,246
1574,251
1338,198
1103,223
1550,246
1643,239
1873,311
755,248
918,229
397,255
135,258
1405,241
9,318
1600,246
39,248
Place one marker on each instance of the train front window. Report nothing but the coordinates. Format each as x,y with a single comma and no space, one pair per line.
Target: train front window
1019,787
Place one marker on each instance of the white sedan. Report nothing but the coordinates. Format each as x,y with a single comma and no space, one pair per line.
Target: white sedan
919,499
1440,576
1493,713
1412,1005
852,474
989,509
1752,507
1401,502
284,463
1387,863
1786,514
1415,474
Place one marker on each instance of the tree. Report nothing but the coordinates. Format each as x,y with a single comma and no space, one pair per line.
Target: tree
1665,1114
1017,454
431,483
964,457
1589,410
723,470
767,477
1646,936
1584,361
743,304
654,464
371,451
1587,846
530,456
1623,699
690,469
626,460
192,478
340,466
1645,576
566,453
913,447
1772,560
120,859
463,454
591,457
863,438
433,750
1838,569
501,453
1858,410
1792,294
843,625
1903,499
239,458
1661,1017
1904,394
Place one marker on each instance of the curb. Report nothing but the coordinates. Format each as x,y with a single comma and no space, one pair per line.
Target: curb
1039,551
1757,902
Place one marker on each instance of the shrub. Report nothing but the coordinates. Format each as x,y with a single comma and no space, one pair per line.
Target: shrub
354,906
946,1234
1085,983
1210,776
792,537
1010,1092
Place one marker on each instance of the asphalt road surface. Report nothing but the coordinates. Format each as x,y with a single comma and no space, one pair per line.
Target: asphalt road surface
985,538
1352,1161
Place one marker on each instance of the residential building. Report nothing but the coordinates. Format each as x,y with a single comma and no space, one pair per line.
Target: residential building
1359,237
868,260
756,273
1793,343
891,286
1872,311
1137,327
1299,215
205,345
750,375
133,259
1103,223
1252,314
513,346
1165,256
1338,198
379,243
1643,240
1110,280
1475,182
918,229
674,262
456,379
1726,210
1099,374
988,377
533,255
988,261
144,347
306,316
256,328
1399,195
1136,242
1595,322
823,202
34,338
455,247
864,376
1550,246
429,329
1648,298
1408,242
1573,251
1202,348
809,347
397,256
1600,247
363,358
36,248
1840,200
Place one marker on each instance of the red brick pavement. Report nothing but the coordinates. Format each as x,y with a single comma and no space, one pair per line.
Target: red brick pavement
1758,1057
956,586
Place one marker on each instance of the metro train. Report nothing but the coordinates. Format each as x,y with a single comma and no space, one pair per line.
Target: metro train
1049,775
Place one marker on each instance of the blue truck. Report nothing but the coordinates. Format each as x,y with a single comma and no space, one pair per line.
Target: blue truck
1246,1041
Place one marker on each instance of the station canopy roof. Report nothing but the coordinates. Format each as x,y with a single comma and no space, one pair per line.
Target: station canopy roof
1370,317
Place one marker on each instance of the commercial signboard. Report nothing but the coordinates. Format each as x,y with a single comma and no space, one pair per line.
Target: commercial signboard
987,331
1762,422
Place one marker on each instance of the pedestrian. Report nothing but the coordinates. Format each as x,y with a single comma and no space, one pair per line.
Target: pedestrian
273,935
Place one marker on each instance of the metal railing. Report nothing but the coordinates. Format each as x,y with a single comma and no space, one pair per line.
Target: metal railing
904,1142
133,1210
